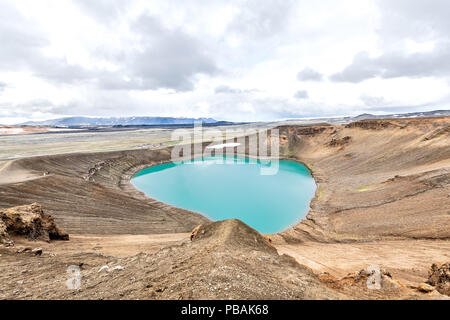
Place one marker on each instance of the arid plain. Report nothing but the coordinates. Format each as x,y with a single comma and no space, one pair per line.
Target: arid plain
383,199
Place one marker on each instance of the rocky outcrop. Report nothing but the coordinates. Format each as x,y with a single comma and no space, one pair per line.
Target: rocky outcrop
372,124
336,142
367,278
439,277
354,199
96,168
30,221
438,133
425,288
3,233
194,232
376,283
310,131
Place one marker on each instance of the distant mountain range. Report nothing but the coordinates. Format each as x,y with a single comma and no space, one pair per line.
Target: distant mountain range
365,116
435,113
73,122
122,121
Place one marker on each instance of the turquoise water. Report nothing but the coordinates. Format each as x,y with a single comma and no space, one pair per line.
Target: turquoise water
233,189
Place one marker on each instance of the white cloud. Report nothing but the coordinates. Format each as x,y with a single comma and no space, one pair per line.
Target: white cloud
301,94
309,74
232,60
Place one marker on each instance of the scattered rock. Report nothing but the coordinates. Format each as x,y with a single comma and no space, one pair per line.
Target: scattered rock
24,249
9,243
18,292
349,155
310,131
340,142
424,287
386,273
116,268
439,276
194,232
437,133
370,278
109,269
103,268
370,124
268,239
96,168
37,251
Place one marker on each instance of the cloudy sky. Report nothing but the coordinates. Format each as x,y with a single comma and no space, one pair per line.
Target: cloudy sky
231,60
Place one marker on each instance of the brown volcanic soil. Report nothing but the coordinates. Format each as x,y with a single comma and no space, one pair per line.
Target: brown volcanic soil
226,260
388,180
104,204
382,198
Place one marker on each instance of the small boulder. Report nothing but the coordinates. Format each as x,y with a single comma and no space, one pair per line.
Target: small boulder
194,232
439,276
9,243
37,251
24,249
425,287
105,267
30,221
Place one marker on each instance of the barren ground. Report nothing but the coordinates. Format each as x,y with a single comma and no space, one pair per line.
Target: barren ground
383,198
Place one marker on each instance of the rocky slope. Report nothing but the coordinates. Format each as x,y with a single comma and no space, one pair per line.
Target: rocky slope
87,200
377,179
224,260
